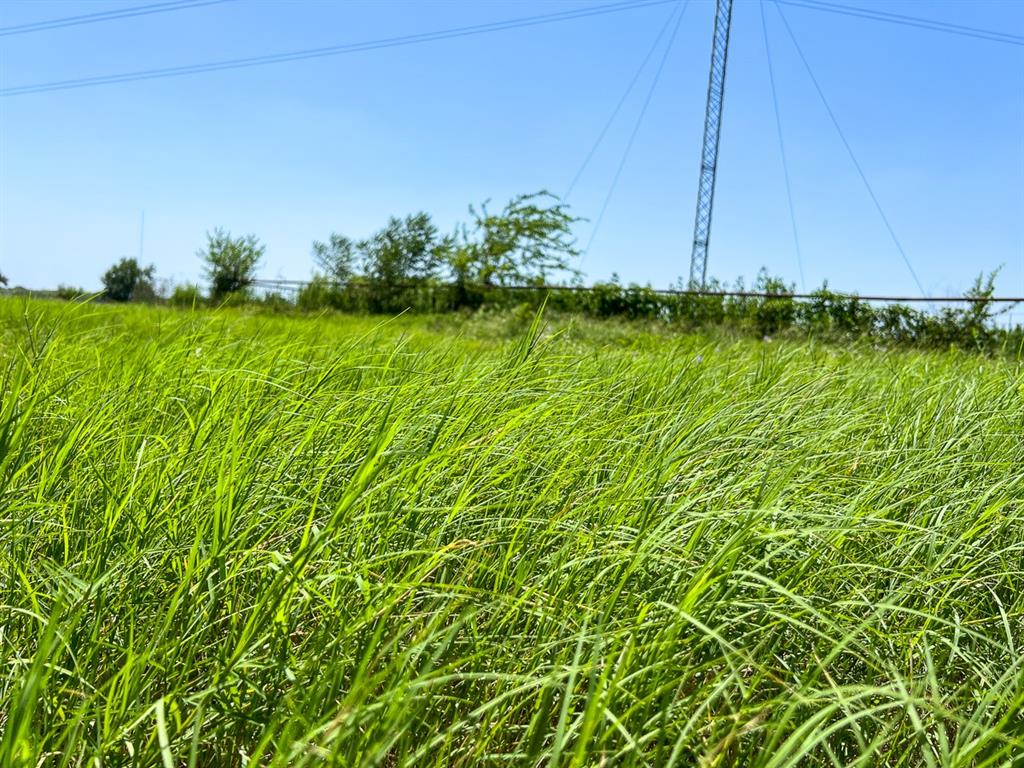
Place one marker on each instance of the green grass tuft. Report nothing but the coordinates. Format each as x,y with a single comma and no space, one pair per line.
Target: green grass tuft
239,539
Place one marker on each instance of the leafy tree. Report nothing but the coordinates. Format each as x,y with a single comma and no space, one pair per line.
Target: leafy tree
405,250
972,324
524,243
336,257
126,280
231,262
3,279
981,311
406,253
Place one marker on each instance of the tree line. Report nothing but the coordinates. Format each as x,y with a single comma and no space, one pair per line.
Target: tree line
409,264
529,241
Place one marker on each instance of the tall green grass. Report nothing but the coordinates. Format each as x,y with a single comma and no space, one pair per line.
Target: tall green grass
231,539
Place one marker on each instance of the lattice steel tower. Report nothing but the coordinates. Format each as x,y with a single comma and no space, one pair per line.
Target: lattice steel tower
709,153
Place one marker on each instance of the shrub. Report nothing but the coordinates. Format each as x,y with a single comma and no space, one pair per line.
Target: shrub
275,301
127,281
187,295
234,299
230,263
318,293
70,292
776,312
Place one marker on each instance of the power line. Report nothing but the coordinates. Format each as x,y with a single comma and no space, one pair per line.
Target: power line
334,50
990,35
94,18
636,127
782,145
618,107
849,150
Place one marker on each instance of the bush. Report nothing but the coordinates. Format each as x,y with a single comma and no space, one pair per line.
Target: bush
696,311
776,312
187,295
127,281
70,293
276,301
318,293
230,263
234,299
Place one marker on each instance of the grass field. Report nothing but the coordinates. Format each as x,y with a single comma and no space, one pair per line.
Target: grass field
246,539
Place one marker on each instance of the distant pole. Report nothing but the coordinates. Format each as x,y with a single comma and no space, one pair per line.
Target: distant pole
142,235
709,152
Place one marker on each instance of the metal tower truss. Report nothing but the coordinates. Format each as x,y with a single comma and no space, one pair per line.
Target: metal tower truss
709,153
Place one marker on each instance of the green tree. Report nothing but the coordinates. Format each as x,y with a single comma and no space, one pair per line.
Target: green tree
405,250
231,262
126,280
394,263
336,257
3,279
526,242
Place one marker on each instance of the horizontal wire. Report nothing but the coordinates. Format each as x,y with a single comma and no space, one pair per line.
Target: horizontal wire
95,18
990,35
335,50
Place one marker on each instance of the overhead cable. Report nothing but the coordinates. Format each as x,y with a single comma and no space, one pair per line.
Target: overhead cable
636,128
782,146
849,150
618,107
94,18
333,50
992,35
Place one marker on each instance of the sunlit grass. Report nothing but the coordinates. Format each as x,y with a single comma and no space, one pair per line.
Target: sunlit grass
231,539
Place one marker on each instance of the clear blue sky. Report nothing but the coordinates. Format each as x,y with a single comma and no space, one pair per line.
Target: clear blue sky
294,151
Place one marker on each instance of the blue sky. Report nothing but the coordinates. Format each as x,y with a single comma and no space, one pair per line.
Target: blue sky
294,151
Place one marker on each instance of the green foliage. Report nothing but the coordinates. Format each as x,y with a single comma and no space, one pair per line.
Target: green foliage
635,302
830,313
187,295
276,301
320,293
127,281
777,310
70,293
826,315
696,311
395,263
287,541
238,298
527,242
3,279
336,257
398,267
230,263
404,253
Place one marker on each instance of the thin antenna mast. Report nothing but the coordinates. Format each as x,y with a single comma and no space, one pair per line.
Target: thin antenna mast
709,153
